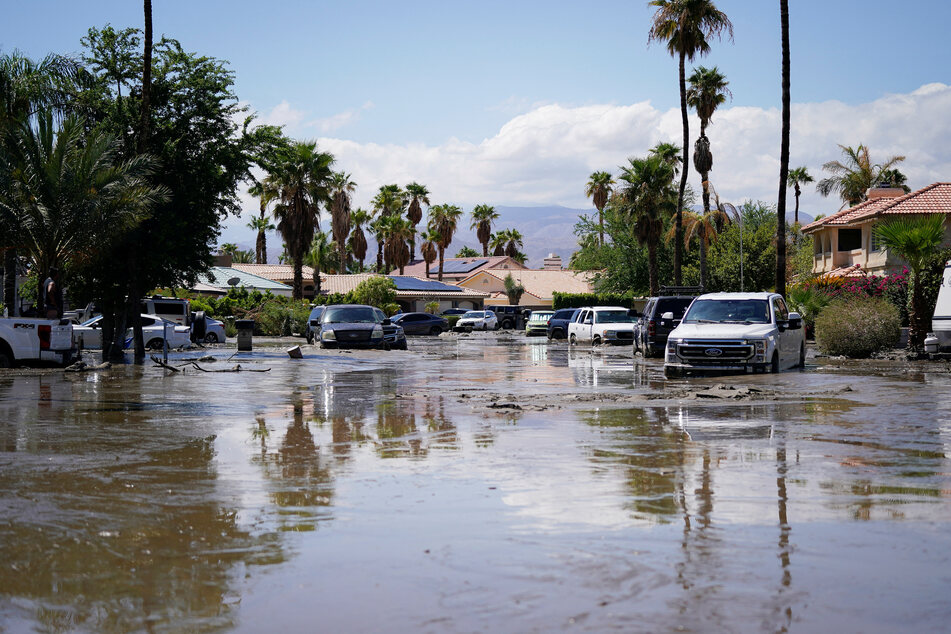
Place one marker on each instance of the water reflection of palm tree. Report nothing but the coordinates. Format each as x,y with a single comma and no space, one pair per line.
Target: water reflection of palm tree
784,527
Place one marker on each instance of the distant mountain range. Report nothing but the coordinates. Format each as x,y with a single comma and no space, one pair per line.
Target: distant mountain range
544,229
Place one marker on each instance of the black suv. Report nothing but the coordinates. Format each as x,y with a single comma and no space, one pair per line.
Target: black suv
652,329
509,316
558,323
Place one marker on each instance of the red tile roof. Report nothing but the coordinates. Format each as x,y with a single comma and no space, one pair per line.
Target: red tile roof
933,199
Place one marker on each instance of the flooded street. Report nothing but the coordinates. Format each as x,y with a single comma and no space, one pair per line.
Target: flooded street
472,484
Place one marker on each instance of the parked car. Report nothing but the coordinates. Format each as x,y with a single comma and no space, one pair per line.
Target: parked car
602,324
941,321
352,326
736,332
477,320
455,311
170,308
652,329
88,335
313,323
507,316
214,331
421,323
537,323
558,323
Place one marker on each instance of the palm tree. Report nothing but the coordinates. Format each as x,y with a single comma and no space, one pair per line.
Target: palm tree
318,257
27,87
708,90
685,26
647,197
358,240
429,249
444,219
341,186
467,252
853,178
894,178
397,232
228,248
705,227
916,240
300,181
783,156
67,194
240,256
670,153
796,177
389,201
498,241
418,195
598,190
514,243
261,225
482,218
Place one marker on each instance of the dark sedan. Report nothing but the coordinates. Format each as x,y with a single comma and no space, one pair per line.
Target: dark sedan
421,323
352,326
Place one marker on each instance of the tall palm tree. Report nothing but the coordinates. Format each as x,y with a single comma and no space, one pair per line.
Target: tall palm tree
444,219
300,181
670,153
514,243
783,156
852,179
389,201
598,190
318,257
419,196
705,227
647,197
397,233
341,186
261,224
708,90
482,218
685,26
794,179
916,240
358,240
429,249
228,248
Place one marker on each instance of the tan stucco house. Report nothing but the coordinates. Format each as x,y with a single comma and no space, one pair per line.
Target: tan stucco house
540,285
844,243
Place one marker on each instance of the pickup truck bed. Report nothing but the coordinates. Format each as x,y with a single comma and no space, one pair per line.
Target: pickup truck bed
24,340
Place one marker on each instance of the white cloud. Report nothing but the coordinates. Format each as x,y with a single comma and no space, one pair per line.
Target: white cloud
545,155
283,114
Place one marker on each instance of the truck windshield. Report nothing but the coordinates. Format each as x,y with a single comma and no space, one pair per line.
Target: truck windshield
728,311
349,315
612,317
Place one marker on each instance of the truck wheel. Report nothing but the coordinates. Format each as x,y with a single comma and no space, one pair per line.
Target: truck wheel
309,337
774,364
6,359
596,341
573,340
802,354
672,373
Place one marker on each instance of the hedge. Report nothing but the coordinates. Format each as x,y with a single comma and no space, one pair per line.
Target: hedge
577,300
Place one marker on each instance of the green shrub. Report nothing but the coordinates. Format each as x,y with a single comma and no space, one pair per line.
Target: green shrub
375,291
858,327
577,300
452,319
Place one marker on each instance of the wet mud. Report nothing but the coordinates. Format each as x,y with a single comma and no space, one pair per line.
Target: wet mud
482,482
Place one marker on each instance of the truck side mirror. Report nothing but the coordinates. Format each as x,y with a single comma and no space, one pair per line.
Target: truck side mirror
669,316
794,322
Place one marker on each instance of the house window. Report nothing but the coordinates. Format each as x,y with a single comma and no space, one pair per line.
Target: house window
850,239
877,244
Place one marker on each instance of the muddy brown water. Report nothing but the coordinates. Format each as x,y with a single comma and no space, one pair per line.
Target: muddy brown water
472,484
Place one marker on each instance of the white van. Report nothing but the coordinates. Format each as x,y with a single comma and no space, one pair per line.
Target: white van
170,308
941,321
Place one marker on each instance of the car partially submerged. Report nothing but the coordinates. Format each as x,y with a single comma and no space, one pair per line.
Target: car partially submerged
356,326
537,323
735,332
155,330
477,320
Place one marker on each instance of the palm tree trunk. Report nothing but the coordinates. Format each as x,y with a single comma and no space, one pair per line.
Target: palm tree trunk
412,248
298,292
442,252
146,80
703,258
485,249
601,226
652,267
10,282
783,157
379,255
678,244
796,216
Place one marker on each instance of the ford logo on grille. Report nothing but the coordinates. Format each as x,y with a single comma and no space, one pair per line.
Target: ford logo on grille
713,352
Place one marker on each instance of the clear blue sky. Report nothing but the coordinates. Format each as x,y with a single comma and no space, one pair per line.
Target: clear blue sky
439,69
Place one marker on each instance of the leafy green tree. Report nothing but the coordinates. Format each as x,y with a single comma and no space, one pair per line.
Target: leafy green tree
685,26
852,178
753,232
798,176
483,216
916,240
301,183
704,227
112,54
419,196
376,291
444,219
647,196
598,190
467,252
319,257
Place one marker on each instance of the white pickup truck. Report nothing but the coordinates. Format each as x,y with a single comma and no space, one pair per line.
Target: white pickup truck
25,340
736,332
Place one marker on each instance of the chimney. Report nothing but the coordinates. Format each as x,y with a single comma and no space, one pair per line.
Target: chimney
552,262
883,191
224,260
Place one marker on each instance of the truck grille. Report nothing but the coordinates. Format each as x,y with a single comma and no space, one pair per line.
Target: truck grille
625,335
712,351
345,336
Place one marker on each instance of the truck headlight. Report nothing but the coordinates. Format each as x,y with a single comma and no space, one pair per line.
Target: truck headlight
759,348
328,335
377,331
672,346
